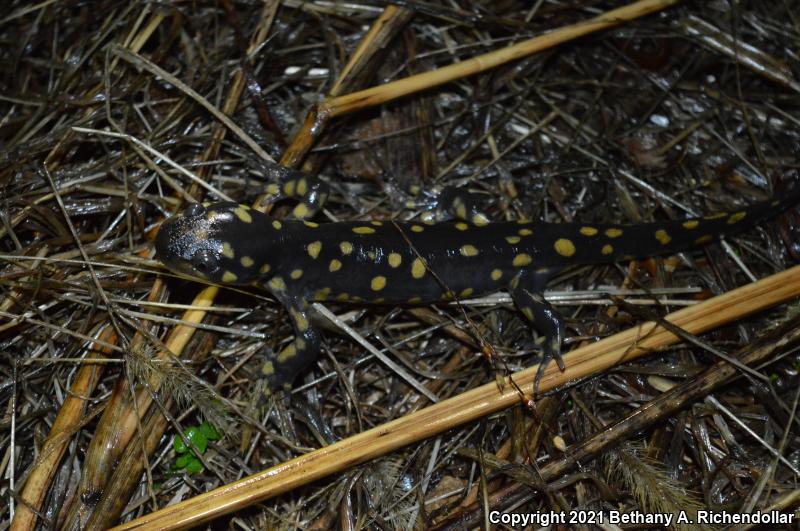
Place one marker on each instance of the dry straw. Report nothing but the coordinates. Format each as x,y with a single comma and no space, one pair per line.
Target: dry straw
473,404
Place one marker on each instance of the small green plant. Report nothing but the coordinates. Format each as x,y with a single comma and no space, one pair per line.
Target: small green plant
199,437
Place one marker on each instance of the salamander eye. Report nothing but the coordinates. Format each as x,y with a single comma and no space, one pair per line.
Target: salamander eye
204,262
194,210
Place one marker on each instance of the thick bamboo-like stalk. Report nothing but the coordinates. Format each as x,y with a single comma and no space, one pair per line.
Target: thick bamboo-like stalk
317,119
471,405
70,415
355,74
69,419
402,87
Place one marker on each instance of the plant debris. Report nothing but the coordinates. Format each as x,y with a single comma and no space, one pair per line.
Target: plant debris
115,115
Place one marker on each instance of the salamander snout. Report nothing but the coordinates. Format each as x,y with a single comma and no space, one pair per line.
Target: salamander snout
207,241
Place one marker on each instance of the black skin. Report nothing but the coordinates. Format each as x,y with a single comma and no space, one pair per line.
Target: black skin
402,262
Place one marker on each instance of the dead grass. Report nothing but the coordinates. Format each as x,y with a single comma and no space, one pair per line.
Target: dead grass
112,116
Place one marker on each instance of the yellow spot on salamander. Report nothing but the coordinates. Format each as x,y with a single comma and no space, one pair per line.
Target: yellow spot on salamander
588,231
467,292
277,284
288,188
243,214
311,224
690,224
268,369
344,297
525,232
296,273
607,249
715,216
461,211
448,295
273,189
227,250
302,187
276,224
703,239
376,223
378,283
288,353
264,269
314,248
371,255
301,211
335,265
461,226
496,274
246,261
468,250
417,268
663,237
737,217
480,220
415,300
346,248
395,259
513,239
564,247
322,294
417,228
363,230
613,232
228,277
300,321
528,313
522,260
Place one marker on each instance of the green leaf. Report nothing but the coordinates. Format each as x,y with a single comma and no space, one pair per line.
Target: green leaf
194,466
178,445
184,460
198,439
209,431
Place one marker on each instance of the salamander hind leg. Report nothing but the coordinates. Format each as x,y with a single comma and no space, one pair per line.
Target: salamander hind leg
526,290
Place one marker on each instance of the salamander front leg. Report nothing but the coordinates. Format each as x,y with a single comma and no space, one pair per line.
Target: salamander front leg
282,368
310,192
527,292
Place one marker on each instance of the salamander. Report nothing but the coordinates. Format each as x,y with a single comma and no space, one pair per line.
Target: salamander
412,263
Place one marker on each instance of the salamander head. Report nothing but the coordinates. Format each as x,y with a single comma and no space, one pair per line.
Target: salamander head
218,242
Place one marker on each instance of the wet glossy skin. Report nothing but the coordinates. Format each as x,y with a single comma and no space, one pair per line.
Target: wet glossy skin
402,262
387,262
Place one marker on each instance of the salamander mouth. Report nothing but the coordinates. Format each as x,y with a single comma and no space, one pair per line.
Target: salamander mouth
184,270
